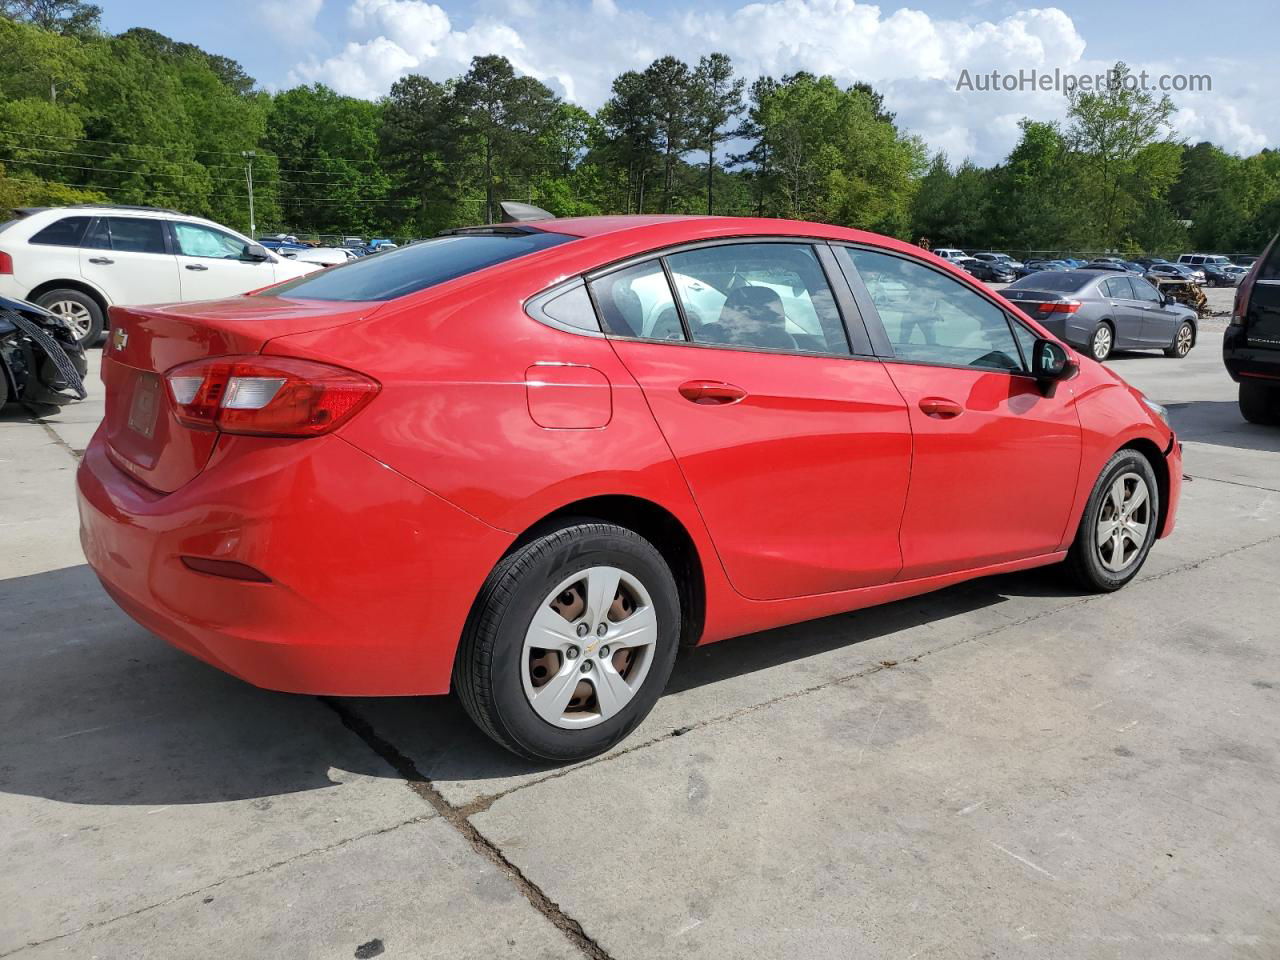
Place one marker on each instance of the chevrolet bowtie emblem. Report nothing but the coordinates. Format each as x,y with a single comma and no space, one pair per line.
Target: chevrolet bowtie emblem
119,338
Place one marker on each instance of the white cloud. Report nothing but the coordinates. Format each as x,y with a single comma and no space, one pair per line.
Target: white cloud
578,46
293,22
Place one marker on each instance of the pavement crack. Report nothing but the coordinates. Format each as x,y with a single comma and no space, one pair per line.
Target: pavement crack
265,868
57,439
457,818
1234,483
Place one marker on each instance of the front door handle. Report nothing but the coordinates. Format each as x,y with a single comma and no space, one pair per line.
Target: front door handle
196,266
941,408
711,392
102,261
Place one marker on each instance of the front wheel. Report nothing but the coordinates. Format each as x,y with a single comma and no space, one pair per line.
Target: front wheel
571,642
1119,525
1183,340
78,309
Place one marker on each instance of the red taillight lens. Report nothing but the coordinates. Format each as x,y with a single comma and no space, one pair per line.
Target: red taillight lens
6,264
1066,306
267,396
1241,304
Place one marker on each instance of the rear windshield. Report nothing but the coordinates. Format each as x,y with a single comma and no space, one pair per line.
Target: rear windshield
385,276
1058,281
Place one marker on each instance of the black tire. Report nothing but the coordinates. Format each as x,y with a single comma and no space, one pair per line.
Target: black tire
1095,345
96,319
1259,402
487,672
1182,345
1083,560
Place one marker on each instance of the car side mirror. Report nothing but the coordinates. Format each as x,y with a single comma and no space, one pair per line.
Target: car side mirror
255,252
1050,363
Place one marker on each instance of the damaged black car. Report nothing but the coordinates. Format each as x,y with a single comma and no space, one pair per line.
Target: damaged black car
41,360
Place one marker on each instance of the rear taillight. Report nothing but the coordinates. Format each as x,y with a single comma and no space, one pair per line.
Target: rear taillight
1241,305
6,264
267,396
1063,306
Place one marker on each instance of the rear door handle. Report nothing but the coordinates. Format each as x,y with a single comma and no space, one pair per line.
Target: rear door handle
941,408
102,261
711,392
196,266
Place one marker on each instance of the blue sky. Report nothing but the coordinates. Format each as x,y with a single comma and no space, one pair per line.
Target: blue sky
915,54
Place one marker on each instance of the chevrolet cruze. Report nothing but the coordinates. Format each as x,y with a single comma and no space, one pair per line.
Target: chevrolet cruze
527,462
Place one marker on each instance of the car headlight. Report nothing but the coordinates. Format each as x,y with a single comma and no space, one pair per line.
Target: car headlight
1158,409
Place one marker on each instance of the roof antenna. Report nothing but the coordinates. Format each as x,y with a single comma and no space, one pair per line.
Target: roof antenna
513,211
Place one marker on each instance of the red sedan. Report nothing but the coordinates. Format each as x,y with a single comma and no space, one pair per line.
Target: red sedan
527,462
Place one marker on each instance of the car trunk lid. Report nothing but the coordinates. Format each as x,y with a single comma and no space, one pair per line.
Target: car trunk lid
143,436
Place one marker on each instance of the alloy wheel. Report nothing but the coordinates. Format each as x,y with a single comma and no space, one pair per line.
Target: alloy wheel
1124,522
76,313
1182,345
1102,343
589,647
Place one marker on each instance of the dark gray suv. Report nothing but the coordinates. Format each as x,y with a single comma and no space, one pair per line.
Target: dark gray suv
1100,310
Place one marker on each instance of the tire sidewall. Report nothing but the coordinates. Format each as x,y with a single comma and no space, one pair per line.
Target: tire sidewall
96,320
1125,461
511,706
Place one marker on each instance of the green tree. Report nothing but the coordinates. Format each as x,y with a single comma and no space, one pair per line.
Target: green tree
505,116
1108,129
71,18
668,84
717,101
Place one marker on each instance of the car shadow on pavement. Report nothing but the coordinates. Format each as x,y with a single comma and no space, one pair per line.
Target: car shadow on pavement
96,710
1219,422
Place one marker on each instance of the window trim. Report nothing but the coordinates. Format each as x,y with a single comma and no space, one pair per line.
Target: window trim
876,325
819,246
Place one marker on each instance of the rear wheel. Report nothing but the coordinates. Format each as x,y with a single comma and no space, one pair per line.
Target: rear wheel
80,309
1102,341
1119,525
1259,402
571,642
1183,341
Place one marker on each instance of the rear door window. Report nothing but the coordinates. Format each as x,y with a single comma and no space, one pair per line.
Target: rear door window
127,235
406,270
637,302
769,296
1118,288
65,232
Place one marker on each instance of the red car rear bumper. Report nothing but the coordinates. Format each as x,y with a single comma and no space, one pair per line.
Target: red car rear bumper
371,575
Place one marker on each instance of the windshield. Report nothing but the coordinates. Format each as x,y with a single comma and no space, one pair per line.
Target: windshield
406,270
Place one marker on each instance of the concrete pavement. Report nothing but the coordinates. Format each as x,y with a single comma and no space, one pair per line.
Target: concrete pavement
1005,768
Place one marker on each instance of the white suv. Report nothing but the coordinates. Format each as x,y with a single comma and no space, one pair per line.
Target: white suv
77,261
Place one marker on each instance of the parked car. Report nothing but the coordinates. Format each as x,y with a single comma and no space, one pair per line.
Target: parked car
1148,262
41,359
949,253
1133,266
325,256
1221,275
993,271
378,244
1114,265
1100,311
538,510
1178,270
1035,266
1003,257
1244,260
77,261
1236,273
1251,345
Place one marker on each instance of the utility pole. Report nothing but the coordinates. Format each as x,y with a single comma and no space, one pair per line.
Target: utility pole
248,176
